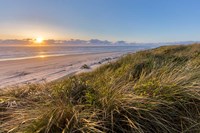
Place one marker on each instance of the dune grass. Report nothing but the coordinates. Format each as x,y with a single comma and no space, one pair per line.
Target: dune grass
150,91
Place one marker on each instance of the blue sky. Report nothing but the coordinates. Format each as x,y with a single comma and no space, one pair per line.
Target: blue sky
129,20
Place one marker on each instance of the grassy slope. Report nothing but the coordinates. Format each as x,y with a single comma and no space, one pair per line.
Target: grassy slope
150,91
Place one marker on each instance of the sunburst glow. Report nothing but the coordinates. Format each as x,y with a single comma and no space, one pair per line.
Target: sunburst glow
39,40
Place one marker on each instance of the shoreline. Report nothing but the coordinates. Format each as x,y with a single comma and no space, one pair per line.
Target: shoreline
51,55
15,73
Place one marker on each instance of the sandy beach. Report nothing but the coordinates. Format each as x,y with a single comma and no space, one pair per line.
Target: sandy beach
47,69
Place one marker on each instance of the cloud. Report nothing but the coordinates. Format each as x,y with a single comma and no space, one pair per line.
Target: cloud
88,42
99,42
15,41
121,43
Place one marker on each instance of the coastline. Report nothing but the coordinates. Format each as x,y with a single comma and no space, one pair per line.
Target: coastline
14,73
152,86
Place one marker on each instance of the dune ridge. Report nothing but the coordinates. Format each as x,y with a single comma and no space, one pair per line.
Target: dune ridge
151,91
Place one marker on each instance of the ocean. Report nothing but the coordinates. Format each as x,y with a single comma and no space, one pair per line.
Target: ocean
17,52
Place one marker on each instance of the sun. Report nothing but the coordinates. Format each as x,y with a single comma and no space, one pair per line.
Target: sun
39,40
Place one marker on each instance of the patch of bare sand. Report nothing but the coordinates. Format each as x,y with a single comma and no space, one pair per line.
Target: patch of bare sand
40,70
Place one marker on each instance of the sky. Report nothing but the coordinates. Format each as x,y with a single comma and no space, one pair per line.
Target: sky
128,20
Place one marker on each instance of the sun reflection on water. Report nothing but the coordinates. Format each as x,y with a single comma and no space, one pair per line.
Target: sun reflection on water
42,56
